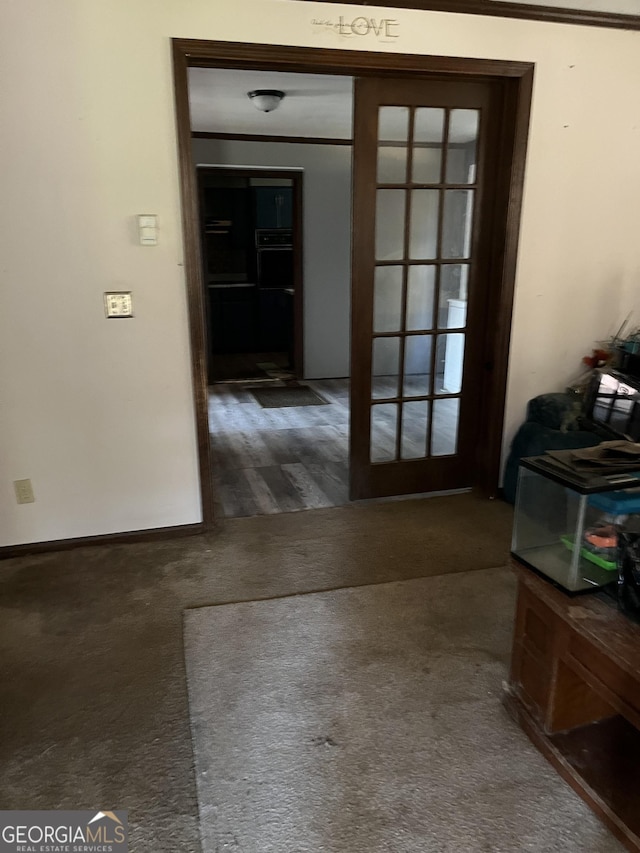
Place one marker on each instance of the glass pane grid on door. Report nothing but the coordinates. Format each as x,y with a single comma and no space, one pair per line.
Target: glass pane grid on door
425,197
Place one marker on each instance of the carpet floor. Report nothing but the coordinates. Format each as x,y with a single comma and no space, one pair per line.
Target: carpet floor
368,720
92,679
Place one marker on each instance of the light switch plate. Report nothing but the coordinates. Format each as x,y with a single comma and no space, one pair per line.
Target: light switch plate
118,304
148,229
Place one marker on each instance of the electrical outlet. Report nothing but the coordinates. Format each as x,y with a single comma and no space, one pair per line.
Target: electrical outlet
118,304
24,491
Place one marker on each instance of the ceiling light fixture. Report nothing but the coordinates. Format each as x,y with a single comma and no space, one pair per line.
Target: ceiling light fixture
265,99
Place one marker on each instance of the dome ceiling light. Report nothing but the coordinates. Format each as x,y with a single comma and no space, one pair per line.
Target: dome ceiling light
265,100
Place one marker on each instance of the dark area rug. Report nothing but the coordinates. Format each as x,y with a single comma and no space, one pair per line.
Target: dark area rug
287,395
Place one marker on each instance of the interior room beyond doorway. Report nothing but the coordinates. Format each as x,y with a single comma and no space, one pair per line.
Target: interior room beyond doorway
275,195
250,236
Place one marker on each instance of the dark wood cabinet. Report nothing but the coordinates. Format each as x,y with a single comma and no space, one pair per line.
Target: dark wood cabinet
575,690
275,313
233,319
232,211
249,274
227,235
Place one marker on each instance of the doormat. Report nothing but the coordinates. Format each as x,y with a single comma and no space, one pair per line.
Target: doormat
368,720
287,395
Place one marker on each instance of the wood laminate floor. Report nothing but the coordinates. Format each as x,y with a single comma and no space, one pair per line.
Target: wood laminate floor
279,460
268,461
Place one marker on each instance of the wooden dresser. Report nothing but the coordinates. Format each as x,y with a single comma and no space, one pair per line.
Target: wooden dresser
575,690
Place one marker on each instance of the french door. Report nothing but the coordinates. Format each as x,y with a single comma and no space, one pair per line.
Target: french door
425,160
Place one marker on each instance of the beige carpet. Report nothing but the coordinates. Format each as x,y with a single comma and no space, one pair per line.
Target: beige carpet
368,720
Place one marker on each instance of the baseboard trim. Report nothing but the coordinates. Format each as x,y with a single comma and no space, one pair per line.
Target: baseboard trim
130,536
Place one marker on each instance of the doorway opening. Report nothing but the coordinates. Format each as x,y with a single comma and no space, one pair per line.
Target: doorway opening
274,195
250,232
507,104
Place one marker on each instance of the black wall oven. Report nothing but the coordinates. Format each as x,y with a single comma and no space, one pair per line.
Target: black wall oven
274,255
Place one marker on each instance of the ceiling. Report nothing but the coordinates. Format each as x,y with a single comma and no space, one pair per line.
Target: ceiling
317,105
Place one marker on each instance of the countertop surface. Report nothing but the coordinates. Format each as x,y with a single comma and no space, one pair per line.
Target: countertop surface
226,285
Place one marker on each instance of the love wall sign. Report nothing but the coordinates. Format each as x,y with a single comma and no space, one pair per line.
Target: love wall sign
362,26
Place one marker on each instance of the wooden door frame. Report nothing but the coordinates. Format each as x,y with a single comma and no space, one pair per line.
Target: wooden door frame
517,79
296,176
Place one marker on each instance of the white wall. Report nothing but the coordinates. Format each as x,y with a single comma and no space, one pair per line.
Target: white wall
327,238
99,413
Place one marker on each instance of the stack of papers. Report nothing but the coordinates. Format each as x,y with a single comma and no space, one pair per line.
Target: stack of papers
605,458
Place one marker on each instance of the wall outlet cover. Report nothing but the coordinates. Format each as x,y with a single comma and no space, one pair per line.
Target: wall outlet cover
24,491
118,304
